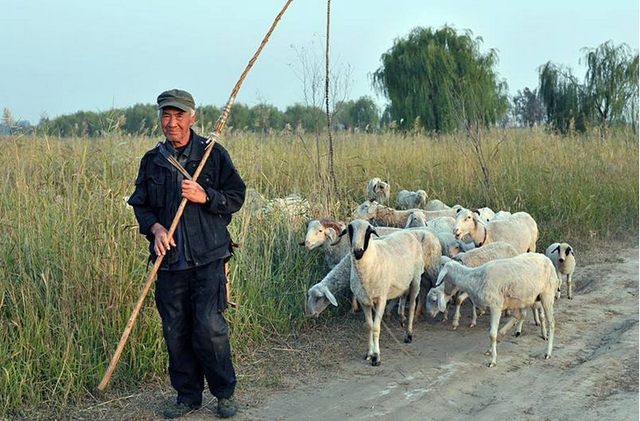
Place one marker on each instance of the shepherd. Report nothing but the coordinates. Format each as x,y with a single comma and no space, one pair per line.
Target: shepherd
191,287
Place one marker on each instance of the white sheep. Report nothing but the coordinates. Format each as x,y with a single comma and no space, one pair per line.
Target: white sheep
472,258
411,199
514,283
378,190
323,293
442,228
563,258
436,204
384,269
378,214
502,215
443,223
520,230
416,219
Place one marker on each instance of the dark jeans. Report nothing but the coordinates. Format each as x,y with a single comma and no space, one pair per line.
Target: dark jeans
191,303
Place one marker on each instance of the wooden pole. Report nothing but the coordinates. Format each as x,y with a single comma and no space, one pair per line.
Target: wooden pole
222,121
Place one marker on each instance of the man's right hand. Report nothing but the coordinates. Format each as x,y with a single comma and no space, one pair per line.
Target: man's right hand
162,242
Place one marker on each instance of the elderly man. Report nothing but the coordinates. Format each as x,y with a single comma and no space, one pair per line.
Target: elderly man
191,284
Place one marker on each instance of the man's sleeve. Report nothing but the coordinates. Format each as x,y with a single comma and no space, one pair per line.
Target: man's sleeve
230,197
140,202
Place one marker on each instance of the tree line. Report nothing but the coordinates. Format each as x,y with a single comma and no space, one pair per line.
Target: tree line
435,80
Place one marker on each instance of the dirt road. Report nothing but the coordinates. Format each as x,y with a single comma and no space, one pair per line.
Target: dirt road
593,373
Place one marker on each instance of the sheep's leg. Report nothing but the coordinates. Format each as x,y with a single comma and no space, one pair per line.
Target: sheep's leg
493,335
375,356
570,286
354,304
543,323
369,320
536,316
505,329
389,309
422,296
413,293
401,310
521,319
474,317
547,305
456,316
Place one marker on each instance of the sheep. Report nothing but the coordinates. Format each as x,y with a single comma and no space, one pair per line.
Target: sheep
486,214
411,199
443,223
436,204
378,190
323,293
563,258
472,258
378,214
384,269
502,215
416,219
519,230
514,283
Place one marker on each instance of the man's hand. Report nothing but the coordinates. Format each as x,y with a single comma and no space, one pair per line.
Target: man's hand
193,192
162,242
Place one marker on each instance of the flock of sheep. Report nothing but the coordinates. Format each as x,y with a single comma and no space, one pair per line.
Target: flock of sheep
428,254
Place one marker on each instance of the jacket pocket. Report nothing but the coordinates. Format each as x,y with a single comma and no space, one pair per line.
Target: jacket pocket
156,190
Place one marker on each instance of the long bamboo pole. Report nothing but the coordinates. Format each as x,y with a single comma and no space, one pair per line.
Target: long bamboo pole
222,121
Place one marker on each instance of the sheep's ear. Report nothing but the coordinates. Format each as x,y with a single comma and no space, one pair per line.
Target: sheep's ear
330,297
344,231
474,210
569,251
442,302
441,275
458,210
373,231
556,249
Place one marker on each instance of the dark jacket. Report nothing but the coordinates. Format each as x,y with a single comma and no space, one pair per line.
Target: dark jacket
154,200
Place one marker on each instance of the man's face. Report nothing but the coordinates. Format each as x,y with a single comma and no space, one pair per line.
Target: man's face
175,125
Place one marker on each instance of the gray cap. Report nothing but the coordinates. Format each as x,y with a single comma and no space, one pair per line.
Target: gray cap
176,98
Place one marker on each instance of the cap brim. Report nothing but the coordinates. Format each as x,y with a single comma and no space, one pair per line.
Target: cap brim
174,104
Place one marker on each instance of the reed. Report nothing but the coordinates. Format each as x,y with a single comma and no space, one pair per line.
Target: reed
72,262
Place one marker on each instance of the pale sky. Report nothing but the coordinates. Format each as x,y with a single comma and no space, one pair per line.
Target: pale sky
63,56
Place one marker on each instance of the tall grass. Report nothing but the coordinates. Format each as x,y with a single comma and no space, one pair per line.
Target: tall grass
72,262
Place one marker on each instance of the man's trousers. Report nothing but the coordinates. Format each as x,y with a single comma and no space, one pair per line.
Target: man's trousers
191,303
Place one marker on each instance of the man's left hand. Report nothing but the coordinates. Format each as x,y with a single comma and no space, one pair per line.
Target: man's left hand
193,192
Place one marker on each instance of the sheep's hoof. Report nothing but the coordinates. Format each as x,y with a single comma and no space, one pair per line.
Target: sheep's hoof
375,360
545,338
518,334
454,327
367,357
571,298
408,339
488,353
536,323
472,325
547,356
402,323
491,364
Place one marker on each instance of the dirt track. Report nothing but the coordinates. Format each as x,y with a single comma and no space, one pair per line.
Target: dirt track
593,373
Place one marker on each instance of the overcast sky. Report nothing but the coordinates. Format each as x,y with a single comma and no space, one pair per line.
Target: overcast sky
63,56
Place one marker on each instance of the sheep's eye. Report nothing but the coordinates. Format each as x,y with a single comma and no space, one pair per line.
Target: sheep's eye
320,231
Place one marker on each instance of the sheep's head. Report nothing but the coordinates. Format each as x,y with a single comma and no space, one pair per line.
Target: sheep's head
359,236
421,198
466,222
367,210
319,299
321,231
381,187
416,219
486,214
564,250
431,304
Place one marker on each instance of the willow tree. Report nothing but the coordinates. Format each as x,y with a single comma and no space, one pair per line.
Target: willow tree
611,81
564,99
438,76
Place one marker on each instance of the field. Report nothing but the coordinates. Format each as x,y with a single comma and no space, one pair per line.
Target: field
72,262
